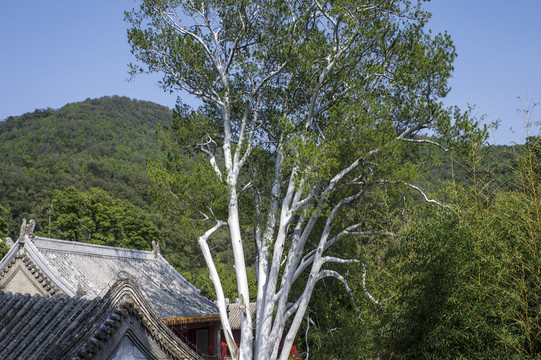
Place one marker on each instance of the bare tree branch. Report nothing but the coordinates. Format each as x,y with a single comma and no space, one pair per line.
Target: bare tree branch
426,141
366,292
431,201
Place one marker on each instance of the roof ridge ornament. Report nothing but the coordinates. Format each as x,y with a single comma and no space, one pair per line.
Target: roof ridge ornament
156,249
81,290
27,229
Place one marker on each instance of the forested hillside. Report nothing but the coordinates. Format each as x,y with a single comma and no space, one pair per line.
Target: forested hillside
103,143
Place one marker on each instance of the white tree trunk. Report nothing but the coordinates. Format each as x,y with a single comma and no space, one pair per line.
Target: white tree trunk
246,345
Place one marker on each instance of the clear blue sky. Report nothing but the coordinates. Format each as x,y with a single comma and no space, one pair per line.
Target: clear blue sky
62,51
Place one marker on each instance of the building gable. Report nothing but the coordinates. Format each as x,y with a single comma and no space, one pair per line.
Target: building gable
127,349
22,275
19,279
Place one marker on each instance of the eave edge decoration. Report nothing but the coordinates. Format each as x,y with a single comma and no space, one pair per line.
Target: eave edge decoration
191,320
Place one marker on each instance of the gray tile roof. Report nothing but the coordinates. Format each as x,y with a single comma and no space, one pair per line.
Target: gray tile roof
63,327
233,310
92,269
38,327
75,268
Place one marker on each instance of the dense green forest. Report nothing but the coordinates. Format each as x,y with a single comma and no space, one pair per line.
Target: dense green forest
460,281
103,143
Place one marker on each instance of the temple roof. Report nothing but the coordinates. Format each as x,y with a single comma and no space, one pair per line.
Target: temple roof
234,310
63,327
89,270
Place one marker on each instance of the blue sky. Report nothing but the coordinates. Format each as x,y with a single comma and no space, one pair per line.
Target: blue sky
62,51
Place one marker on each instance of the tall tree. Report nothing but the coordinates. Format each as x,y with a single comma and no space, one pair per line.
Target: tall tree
309,107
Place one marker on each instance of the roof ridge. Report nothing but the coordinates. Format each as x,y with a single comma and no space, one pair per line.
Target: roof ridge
128,297
50,244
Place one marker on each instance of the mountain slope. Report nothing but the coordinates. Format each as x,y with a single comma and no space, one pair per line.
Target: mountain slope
103,143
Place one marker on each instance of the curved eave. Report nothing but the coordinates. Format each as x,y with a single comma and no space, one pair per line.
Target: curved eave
10,255
192,320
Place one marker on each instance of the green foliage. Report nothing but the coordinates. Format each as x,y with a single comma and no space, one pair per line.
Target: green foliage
458,283
97,218
3,223
471,285
463,283
3,231
432,318
105,144
470,279
185,174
